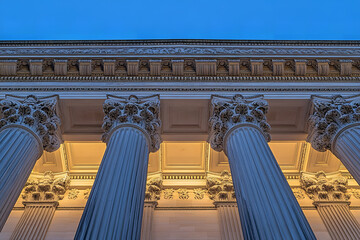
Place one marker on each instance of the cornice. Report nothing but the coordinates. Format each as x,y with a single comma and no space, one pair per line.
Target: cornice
179,48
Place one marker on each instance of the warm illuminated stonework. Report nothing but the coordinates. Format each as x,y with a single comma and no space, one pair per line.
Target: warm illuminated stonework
179,139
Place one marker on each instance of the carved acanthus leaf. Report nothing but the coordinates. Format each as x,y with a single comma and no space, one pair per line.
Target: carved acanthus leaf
183,194
329,116
141,112
221,188
325,187
37,114
153,189
231,112
49,187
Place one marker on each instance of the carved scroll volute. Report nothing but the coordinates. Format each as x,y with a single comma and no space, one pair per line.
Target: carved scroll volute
329,116
143,113
230,112
38,115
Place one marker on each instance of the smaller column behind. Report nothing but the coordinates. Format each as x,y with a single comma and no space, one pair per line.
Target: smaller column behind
152,194
329,192
41,194
221,190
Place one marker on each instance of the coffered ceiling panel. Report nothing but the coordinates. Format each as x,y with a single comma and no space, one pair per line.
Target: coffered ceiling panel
184,116
322,161
50,162
82,116
183,157
288,116
154,162
218,161
84,156
289,155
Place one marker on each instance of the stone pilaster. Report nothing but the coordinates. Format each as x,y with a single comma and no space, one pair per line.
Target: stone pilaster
41,196
152,194
335,125
330,196
28,126
115,206
221,190
265,200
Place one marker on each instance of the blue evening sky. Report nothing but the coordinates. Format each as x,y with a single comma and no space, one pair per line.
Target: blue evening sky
175,19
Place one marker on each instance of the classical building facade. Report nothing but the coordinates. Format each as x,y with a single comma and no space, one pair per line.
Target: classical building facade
180,139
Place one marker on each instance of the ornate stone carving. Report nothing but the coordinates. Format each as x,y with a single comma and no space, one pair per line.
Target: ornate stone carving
221,188
325,187
329,116
229,112
37,114
355,193
48,187
183,194
153,189
298,193
144,113
73,194
199,193
169,193
87,193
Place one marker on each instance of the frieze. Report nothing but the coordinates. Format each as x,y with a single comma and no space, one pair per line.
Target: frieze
180,51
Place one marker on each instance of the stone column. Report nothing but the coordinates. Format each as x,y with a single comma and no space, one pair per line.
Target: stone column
152,194
115,206
267,207
329,192
41,197
335,125
221,190
28,126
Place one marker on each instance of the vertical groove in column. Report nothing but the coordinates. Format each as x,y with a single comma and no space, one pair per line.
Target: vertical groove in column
229,225
34,222
115,206
347,149
18,153
267,207
339,221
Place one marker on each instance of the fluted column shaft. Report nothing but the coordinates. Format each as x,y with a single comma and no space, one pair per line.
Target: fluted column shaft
19,150
35,221
267,206
115,206
346,147
147,220
339,221
230,226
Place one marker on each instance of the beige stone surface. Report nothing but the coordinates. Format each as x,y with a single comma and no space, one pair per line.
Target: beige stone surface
317,224
185,224
64,225
10,224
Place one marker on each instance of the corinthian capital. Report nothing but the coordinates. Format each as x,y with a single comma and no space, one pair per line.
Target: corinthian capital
230,112
329,116
143,113
46,187
36,114
325,187
221,188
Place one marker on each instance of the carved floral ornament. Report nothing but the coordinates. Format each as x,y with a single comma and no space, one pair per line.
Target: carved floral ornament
49,187
221,188
144,113
329,117
322,187
37,114
229,112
